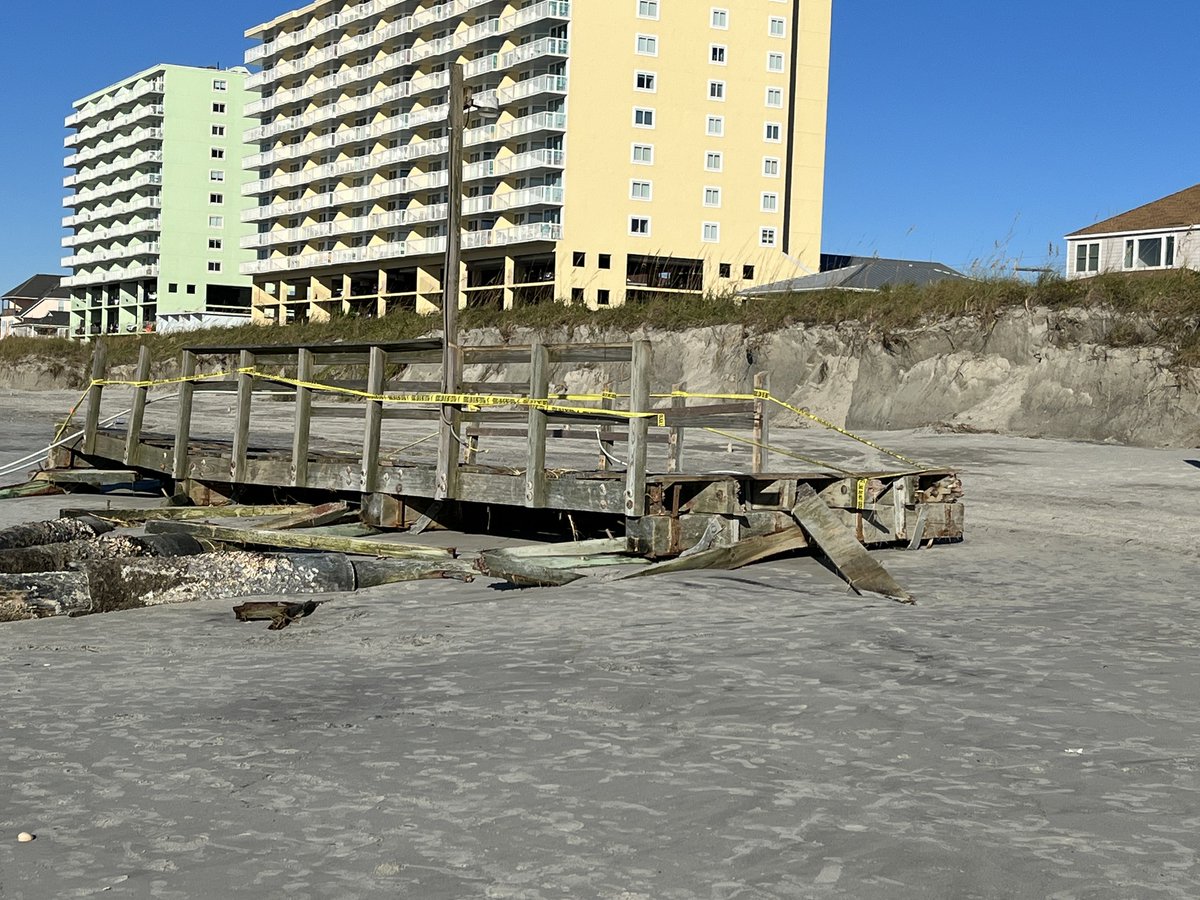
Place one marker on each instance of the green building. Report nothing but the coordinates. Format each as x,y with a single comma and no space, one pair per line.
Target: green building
157,202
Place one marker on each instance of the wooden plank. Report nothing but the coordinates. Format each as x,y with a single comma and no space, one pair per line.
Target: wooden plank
246,537
374,419
570,548
449,448
559,353
133,429
241,429
97,478
606,445
675,438
523,572
302,425
309,517
183,418
535,458
743,553
839,544
178,513
639,401
760,458
35,488
94,396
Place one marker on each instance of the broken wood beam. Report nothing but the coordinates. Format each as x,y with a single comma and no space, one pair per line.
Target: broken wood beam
63,556
523,572
310,517
180,513
743,553
841,547
35,488
280,613
56,531
292,540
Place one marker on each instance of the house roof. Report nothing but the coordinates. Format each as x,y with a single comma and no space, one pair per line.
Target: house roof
863,274
1179,210
37,288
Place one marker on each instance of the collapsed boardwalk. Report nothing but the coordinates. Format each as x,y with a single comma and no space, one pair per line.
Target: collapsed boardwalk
663,508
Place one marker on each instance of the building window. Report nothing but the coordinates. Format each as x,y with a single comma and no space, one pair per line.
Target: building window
775,97
217,130
748,273
773,132
711,233
216,221
215,243
1087,257
770,202
1150,253
604,261
217,153
716,90
647,9
214,266
771,166
712,196
639,226
578,259
643,117
766,237
647,45
717,54
219,108
216,198
640,190
715,126
713,161
774,62
172,288
191,289
602,297
725,270
777,27
220,84
216,175
577,295
643,154
719,18
645,81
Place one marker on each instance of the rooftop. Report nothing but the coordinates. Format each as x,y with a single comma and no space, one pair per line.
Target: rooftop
1178,210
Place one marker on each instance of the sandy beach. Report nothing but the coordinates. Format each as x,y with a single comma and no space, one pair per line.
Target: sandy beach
1029,730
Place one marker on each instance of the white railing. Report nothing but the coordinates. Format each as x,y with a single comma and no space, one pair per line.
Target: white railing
99,150
113,101
84,135
102,276
120,165
130,251
118,187
99,235
151,201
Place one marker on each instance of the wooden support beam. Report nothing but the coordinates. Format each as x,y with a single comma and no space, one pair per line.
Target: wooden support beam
309,517
249,537
180,513
760,459
841,547
183,418
523,572
302,427
94,396
241,429
535,457
374,420
675,438
601,546
133,429
606,444
743,553
639,401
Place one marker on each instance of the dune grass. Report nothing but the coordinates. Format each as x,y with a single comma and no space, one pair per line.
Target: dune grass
1160,309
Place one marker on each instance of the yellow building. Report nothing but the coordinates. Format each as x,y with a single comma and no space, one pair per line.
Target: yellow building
642,147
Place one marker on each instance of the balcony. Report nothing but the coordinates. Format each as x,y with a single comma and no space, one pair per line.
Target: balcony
105,276
122,97
114,211
98,151
125,186
131,251
101,235
145,157
86,135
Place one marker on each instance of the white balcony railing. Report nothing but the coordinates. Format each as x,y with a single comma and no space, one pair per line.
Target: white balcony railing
124,186
91,257
102,235
145,157
97,151
113,211
121,97
86,135
107,275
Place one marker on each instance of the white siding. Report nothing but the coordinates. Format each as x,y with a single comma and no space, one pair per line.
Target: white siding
1112,251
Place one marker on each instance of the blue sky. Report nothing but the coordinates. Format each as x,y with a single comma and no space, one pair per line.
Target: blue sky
975,133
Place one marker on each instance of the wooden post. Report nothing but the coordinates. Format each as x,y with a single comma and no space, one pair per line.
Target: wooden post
675,438
639,430
472,449
183,422
133,431
95,393
449,448
606,403
374,419
301,429
241,430
762,423
539,388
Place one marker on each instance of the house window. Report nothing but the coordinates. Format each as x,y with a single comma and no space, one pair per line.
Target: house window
775,97
217,153
643,117
217,130
214,266
604,261
216,175
766,237
712,196
773,132
216,198
220,85
602,297
747,273
716,54
716,90
770,202
1150,253
711,233
719,18
640,190
191,289
578,259
647,45
173,288
1087,257
219,108
774,62
771,166
713,161
643,154
577,295
647,9
216,221
715,126
777,27
645,81
725,270
215,243
639,226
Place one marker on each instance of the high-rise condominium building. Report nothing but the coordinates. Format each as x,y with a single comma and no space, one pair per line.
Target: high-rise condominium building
157,202
642,146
